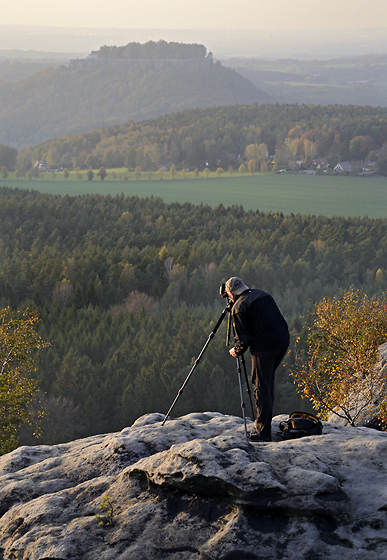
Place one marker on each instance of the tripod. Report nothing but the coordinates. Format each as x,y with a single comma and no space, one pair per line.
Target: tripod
226,310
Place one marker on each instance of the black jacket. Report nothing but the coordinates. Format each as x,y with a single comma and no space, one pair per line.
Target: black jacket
258,323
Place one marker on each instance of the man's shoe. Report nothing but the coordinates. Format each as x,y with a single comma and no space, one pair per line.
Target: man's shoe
256,437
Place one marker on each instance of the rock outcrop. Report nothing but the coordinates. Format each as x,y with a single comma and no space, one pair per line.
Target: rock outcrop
195,489
370,417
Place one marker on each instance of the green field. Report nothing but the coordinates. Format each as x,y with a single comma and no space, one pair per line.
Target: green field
287,193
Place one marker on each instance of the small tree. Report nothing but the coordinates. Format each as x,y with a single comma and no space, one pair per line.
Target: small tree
160,173
102,173
242,168
90,175
106,520
264,167
251,166
4,171
63,293
336,369
18,344
172,171
379,278
66,173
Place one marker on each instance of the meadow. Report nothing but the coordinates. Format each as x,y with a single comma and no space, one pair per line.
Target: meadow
287,193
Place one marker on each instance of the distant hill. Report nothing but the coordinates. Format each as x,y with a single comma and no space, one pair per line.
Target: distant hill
224,136
354,80
86,95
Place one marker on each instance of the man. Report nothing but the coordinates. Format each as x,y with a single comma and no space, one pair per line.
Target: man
258,325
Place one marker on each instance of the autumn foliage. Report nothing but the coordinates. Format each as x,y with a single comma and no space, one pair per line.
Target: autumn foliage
336,369
19,342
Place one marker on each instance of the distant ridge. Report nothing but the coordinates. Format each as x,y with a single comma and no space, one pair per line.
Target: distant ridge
91,94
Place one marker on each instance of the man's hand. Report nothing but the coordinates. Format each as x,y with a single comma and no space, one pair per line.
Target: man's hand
233,353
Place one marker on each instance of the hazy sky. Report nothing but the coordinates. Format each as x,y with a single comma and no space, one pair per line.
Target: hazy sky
197,14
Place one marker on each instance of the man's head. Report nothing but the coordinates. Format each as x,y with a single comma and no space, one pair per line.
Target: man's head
235,286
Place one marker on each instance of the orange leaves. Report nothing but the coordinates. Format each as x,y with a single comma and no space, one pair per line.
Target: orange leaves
338,367
18,344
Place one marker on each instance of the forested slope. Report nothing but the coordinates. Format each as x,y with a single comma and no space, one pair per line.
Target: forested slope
59,101
128,291
221,135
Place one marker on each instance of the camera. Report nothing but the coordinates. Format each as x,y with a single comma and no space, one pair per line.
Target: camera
222,290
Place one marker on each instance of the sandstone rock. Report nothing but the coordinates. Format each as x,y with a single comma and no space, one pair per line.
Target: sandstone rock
371,417
195,489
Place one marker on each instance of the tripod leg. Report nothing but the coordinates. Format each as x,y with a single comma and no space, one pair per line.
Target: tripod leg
241,393
187,378
248,387
210,337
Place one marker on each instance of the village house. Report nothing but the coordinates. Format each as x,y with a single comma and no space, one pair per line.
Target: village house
369,168
343,167
320,163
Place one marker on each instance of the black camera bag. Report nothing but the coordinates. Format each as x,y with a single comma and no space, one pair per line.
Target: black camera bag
300,424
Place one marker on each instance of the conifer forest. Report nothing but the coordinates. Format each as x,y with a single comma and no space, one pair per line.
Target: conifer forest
127,290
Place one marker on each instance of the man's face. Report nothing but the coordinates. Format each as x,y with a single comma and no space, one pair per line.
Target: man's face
231,296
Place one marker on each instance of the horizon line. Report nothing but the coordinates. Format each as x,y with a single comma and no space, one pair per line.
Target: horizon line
200,30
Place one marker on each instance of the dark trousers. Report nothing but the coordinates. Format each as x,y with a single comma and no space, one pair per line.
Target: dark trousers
264,365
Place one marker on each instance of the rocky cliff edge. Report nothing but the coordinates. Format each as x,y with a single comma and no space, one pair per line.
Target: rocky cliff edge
195,489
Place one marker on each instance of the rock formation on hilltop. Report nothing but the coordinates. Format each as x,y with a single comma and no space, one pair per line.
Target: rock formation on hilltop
195,489
102,92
